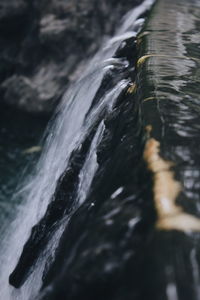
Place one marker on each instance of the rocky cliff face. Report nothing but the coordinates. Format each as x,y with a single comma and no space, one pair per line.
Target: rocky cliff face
44,45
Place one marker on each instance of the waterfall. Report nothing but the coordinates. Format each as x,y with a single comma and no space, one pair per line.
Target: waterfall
74,119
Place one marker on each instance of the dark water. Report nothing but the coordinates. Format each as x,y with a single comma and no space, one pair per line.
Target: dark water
18,132
102,234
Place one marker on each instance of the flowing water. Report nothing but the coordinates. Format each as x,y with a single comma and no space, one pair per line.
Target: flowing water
77,116
111,210
19,147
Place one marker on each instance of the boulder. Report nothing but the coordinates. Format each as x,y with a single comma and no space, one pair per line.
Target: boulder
44,45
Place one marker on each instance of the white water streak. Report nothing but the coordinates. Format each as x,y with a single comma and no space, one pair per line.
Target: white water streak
66,134
90,167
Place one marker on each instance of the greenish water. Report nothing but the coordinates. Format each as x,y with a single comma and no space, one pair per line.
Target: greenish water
18,132
108,245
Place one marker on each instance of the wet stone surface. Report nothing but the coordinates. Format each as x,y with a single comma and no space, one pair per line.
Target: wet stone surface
110,247
45,45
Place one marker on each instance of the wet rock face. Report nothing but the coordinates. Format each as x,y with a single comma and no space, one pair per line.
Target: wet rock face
43,44
100,252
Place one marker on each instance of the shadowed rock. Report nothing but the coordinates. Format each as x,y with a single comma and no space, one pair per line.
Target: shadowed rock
44,44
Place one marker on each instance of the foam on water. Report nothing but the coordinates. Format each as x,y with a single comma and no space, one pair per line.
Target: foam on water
65,134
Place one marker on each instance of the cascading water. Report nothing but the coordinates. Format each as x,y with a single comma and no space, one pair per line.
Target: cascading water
76,118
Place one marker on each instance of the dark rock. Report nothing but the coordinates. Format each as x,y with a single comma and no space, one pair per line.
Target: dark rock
44,43
11,15
19,87
53,29
100,254
61,205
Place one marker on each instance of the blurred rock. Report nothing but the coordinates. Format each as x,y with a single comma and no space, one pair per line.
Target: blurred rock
43,45
11,14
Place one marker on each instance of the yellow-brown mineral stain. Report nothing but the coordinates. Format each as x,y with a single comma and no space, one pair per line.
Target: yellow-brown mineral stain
144,33
32,150
149,99
148,129
132,88
166,190
143,58
140,37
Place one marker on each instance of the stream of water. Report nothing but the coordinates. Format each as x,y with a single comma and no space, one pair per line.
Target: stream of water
112,208
76,117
